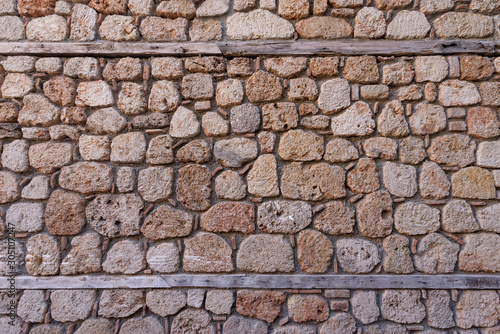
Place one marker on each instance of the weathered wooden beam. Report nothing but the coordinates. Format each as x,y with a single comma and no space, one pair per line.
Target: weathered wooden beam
258,282
252,48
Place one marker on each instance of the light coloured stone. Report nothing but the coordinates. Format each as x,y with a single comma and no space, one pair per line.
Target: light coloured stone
230,185
167,68
120,303
286,67
15,156
439,313
83,23
155,183
483,123
399,179
195,297
337,218
25,217
71,305
240,325
141,7
85,68
458,93
392,122
219,301
339,323
198,86
364,306
430,68
18,266
436,6
284,216
436,254
51,28
264,253
208,253
397,259
16,85
335,95
414,218
323,27
125,257
487,154
157,29
313,182
32,306
84,256
205,30
50,156
245,118
380,147
478,308
235,152
402,306
433,181
408,25
340,150
369,23
128,148
106,121
11,28
357,120
94,148
8,7
473,182
357,256
229,93
165,302
115,215
192,321
397,74
307,308
263,177
258,24
481,252
160,150
427,119
299,145
458,217
303,89
132,99
94,94
19,64
279,116
86,177
213,8
119,28
38,188
263,87
452,150
214,125
463,25
488,218
141,325
38,111
42,255
164,97
164,257
490,92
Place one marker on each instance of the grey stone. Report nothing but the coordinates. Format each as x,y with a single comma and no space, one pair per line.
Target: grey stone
240,325
71,305
439,313
334,96
478,308
164,257
49,65
119,28
480,253
132,99
83,23
364,306
38,188
125,257
155,184
219,301
85,68
15,156
399,179
392,122
258,24
284,216
19,64
42,255
339,323
357,256
408,25
141,325
128,148
120,303
414,218
84,256
463,25
11,28
488,218
165,302
125,179
458,217
214,125
402,306
32,306
245,118
235,152
436,254
160,150
5,267
193,321
397,258
264,253
487,154
340,150
184,124
430,68
25,217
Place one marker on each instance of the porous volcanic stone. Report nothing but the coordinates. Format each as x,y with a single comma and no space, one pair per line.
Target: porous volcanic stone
374,214
452,150
314,252
364,177
284,216
198,86
402,306
281,116
263,87
261,304
463,25
192,321
397,258
167,222
436,254
207,252
301,145
265,253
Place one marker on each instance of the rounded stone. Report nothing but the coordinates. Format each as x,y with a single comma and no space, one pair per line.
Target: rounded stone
415,218
261,304
125,257
229,217
357,256
208,253
164,257
65,213
402,306
337,218
314,252
192,321
284,216
86,177
265,253
43,255
167,222
71,305
165,302
229,185
436,254
299,145
374,214
307,308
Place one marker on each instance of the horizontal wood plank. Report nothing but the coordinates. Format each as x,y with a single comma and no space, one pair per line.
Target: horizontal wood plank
252,48
258,282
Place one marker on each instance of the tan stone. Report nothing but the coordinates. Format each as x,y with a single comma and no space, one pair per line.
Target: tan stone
36,8
439,313
483,123
84,256
433,181
87,177
260,304
128,148
396,74
106,121
32,306
25,217
230,185
164,257
213,8
380,147
198,86
194,187
293,10
258,24
388,4
374,214
374,92
458,217
8,113
51,28
323,27
71,305
11,28
427,119
480,253
176,8
155,183
475,68
193,320
463,25
402,306
314,252
300,145
235,152
399,179
284,216
206,30
362,69
357,120
125,257
83,23
397,258
313,182
478,308
98,325
435,6
165,302
73,115
490,93
263,87
337,218
452,150
286,67
392,122
340,150
324,66
369,23
42,255
430,68
307,308
144,325
264,253
60,90
120,303
408,25
339,323
415,218
164,97
65,213
94,148
197,151
50,156
410,93
302,89
167,68
167,222
356,255
38,111
207,252
263,177
279,116
335,95
240,67
157,29
9,187
473,182
94,94
229,217
436,254
229,93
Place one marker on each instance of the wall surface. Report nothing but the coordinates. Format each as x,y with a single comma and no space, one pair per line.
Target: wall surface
341,193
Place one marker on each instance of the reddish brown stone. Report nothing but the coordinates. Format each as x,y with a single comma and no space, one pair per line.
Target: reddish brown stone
475,68
167,222
36,8
229,217
61,90
260,304
324,66
381,147
65,213
314,252
307,308
125,69
109,6
73,115
364,177
337,218
8,113
205,64
207,253
194,187
361,69
262,87
374,214
483,123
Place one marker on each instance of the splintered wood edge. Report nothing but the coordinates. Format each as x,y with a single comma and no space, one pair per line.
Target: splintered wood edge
252,48
241,281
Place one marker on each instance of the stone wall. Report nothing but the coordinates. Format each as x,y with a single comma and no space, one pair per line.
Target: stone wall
214,20
286,165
